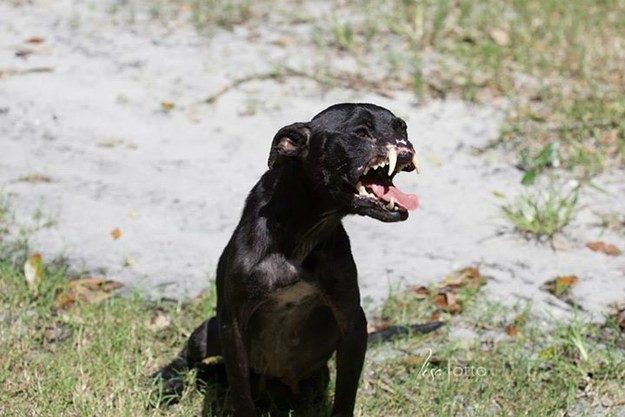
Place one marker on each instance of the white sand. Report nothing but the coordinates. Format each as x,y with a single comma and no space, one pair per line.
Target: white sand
174,182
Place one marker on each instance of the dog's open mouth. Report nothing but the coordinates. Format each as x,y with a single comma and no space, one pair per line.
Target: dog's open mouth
376,182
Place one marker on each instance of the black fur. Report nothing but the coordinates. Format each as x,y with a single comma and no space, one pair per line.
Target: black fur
287,287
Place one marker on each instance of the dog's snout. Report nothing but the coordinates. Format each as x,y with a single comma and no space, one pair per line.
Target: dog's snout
404,154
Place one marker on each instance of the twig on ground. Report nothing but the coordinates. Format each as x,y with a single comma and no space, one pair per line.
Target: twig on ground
6,72
344,80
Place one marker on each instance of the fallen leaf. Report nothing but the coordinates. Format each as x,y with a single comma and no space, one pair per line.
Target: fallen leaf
34,178
33,272
413,361
378,325
160,320
603,247
619,314
116,233
420,291
86,290
167,105
436,315
465,277
500,37
35,39
284,41
24,52
609,137
512,330
448,301
560,285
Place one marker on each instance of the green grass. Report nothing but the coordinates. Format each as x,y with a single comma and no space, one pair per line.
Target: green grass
559,63
99,362
542,213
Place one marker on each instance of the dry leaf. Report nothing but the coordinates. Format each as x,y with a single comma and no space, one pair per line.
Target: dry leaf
512,330
35,39
420,291
34,178
609,137
24,52
619,314
284,41
465,277
159,321
167,105
87,290
500,37
448,301
116,233
560,285
436,315
33,272
378,325
603,247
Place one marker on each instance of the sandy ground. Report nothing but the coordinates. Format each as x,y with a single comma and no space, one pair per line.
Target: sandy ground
174,181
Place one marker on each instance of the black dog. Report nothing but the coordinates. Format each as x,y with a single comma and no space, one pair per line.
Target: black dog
287,286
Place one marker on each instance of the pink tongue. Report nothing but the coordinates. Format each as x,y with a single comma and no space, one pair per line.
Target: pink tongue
386,191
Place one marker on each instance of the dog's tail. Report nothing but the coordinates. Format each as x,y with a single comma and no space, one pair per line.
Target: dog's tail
395,331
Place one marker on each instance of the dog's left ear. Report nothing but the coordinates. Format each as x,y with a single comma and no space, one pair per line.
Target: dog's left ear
290,142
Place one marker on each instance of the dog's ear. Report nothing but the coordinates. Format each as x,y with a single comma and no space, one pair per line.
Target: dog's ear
290,142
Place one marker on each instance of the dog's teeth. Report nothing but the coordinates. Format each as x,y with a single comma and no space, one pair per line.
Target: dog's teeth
391,204
392,161
361,189
415,162
365,171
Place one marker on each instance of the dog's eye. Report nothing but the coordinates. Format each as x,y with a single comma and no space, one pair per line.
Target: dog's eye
362,131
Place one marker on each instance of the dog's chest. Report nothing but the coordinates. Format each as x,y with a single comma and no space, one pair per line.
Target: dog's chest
292,333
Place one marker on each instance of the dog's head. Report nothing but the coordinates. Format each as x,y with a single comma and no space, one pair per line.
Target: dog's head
350,154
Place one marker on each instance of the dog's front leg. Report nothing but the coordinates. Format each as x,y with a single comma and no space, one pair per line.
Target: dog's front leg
235,358
350,357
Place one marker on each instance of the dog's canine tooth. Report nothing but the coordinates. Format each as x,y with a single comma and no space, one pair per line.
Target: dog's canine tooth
415,162
391,204
392,160
361,189
365,171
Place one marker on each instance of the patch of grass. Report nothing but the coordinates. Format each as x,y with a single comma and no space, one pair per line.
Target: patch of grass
224,13
92,360
343,35
95,359
559,63
612,221
542,213
492,371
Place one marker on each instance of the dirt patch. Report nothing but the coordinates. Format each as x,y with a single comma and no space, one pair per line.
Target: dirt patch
118,123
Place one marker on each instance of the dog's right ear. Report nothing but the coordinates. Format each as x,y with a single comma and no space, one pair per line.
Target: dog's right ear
289,143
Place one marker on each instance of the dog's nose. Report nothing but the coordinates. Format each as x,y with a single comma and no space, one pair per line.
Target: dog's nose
400,156
404,154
